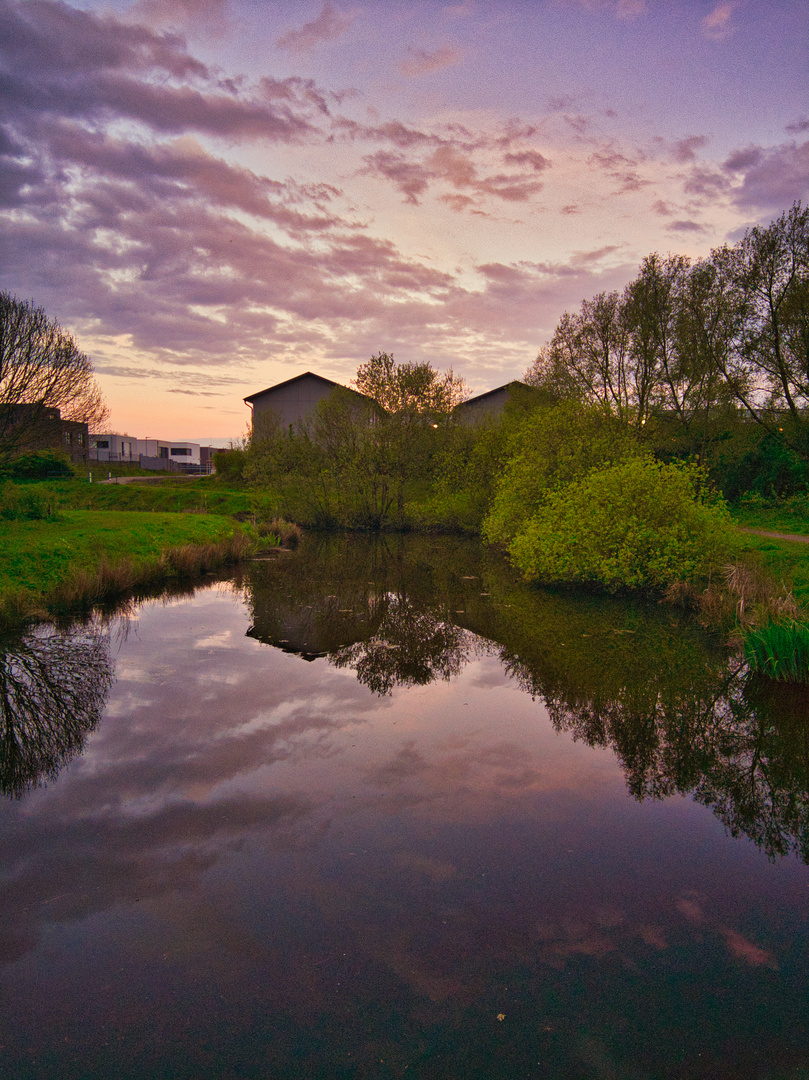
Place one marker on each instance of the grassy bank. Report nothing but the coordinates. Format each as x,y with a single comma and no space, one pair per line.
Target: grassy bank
782,515
169,495
80,558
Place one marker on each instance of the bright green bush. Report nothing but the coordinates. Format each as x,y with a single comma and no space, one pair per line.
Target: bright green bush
635,525
553,447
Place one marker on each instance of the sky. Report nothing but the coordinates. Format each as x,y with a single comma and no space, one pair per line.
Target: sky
213,196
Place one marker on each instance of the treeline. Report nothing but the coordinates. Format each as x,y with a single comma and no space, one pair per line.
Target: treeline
706,360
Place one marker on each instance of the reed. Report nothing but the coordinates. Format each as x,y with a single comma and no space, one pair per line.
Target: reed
744,595
287,533
779,650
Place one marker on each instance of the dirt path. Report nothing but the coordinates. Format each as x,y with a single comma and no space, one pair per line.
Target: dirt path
795,537
145,479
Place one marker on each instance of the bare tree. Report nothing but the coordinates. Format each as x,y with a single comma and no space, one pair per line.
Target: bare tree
41,369
767,274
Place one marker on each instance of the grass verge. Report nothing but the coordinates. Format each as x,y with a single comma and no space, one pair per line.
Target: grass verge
85,558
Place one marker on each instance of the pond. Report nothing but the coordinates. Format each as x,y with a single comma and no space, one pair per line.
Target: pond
374,810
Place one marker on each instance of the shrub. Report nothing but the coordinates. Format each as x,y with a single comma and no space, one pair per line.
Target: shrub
635,525
23,504
38,466
779,651
230,464
553,447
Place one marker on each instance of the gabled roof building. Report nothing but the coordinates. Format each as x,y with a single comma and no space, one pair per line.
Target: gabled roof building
291,401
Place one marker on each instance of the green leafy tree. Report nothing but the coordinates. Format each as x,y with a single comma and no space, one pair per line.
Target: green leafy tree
410,390
416,405
766,277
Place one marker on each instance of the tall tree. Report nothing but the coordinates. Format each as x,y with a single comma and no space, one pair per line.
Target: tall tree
41,367
410,390
767,366
590,358
415,399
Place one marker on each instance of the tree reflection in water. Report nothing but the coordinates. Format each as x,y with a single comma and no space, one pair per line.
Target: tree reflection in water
736,744
53,688
678,709
412,646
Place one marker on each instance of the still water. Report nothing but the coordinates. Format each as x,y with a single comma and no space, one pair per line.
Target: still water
376,810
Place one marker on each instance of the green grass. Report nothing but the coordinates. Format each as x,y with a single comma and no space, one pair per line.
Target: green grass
787,561
780,651
37,556
168,495
787,516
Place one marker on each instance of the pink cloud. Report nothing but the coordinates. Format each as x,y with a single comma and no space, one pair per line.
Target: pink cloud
328,26
421,62
532,158
686,149
451,165
716,25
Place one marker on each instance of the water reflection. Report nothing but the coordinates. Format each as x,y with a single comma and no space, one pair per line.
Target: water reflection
261,868
677,708
53,688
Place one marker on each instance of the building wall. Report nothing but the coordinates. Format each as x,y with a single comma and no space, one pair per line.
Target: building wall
113,447
292,401
484,406
42,428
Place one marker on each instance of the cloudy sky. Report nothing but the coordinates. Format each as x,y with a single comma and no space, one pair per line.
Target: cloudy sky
216,195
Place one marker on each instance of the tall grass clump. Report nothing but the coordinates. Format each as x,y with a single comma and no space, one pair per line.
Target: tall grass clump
287,533
26,504
780,651
109,582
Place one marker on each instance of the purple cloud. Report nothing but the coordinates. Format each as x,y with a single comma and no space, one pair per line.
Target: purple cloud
328,26
773,178
421,62
686,149
685,227
58,61
741,160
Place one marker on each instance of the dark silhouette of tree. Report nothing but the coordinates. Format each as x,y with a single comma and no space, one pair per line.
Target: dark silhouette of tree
42,368
414,645
53,688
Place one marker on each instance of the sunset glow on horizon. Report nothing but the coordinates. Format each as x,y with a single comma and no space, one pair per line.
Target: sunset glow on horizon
215,196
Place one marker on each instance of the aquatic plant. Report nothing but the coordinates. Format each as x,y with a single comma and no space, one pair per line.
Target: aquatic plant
779,650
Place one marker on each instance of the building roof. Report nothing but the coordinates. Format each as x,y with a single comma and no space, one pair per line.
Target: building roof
289,382
490,393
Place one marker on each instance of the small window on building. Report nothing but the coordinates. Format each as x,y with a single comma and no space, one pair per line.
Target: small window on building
67,438
102,444
80,438
180,451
